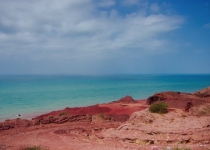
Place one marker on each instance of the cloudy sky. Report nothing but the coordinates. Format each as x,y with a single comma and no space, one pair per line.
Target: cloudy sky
104,36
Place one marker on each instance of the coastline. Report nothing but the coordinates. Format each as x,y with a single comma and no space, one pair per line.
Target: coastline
30,116
27,116
28,94
122,124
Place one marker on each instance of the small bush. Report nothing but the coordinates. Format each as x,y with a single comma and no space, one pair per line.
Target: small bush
51,117
177,148
183,115
34,148
101,115
62,113
159,107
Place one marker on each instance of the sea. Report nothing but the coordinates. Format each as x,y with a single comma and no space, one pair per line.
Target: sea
31,95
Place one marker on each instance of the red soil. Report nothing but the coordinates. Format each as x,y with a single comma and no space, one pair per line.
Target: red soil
124,106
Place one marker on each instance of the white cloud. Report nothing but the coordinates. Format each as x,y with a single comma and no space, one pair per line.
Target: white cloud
79,29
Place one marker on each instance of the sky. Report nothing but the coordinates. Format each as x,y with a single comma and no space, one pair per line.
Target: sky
83,37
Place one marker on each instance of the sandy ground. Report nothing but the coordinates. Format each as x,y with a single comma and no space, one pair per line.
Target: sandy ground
99,134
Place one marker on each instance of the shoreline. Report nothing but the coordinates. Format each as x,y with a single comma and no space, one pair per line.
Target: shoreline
28,95
30,116
122,124
27,116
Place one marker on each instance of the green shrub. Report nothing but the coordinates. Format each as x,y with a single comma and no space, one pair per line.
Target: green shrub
62,113
34,148
177,148
101,115
51,117
159,107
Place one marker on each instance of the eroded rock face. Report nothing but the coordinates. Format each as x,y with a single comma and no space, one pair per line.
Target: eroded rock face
118,118
9,124
63,119
17,123
188,106
144,127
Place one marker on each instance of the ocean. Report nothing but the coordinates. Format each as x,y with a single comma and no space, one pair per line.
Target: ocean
31,95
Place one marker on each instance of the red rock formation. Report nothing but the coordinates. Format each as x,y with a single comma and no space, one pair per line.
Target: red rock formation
62,119
126,100
93,110
182,101
154,98
9,124
188,106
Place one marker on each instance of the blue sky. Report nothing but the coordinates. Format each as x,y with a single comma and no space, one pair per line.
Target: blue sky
104,37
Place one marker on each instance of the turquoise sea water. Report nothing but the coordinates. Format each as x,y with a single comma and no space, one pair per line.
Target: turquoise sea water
36,94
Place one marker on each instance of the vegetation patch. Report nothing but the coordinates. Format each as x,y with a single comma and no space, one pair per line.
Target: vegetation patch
34,148
101,115
175,148
51,117
62,113
159,107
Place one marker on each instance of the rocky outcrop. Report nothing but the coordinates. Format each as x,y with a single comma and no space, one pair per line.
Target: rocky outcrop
154,98
16,123
125,100
183,101
148,128
93,110
188,106
62,119
118,118
203,93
